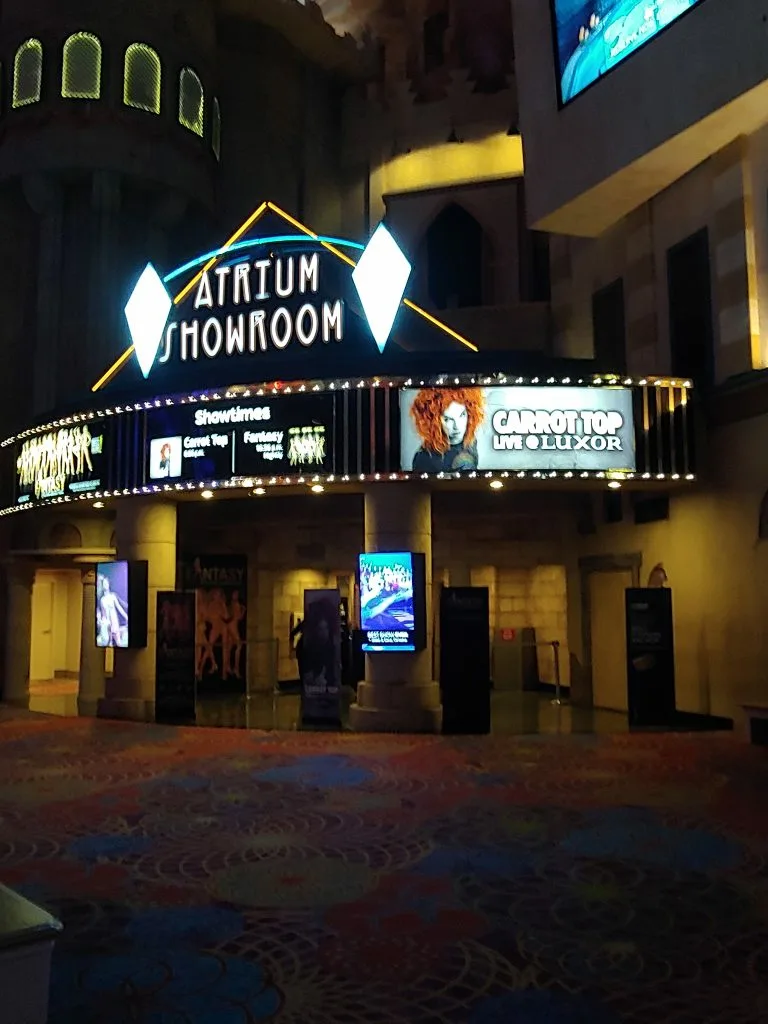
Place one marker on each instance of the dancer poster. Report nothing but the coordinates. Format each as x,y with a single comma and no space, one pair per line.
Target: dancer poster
319,656
175,657
220,583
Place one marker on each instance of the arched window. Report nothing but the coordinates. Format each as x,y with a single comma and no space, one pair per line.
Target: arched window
28,73
216,129
141,78
459,260
433,39
81,67
191,102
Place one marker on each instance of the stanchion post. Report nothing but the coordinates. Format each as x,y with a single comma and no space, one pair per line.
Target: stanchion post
556,651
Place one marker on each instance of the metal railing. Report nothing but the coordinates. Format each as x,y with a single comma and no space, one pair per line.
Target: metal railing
555,646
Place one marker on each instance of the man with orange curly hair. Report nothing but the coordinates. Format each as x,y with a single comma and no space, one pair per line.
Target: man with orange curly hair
447,420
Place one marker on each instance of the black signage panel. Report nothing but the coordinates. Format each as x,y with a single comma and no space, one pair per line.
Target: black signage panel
319,657
175,658
465,660
65,461
650,656
240,438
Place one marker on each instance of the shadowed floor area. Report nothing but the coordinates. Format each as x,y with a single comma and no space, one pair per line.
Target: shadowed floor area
234,876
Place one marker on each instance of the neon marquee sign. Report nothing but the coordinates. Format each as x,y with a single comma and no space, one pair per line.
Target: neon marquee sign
261,294
261,288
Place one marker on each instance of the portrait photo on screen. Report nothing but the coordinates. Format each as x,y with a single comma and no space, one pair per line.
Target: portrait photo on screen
112,604
593,36
165,458
520,428
387,594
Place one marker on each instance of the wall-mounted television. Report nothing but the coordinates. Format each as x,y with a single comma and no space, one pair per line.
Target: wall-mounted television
593,36
393,603
121,604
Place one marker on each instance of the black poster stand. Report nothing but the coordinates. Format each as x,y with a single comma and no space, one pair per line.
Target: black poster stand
465,660
175,658
650,657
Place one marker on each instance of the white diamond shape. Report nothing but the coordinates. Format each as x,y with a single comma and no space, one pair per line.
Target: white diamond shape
146,312
380,278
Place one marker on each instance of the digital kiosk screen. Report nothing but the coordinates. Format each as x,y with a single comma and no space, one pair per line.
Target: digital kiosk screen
112,605
121,604
593,36
249,437
392,601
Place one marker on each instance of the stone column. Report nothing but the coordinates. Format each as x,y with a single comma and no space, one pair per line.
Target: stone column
19,634
399,693
105,310
91,689
262,651
146,531
44,195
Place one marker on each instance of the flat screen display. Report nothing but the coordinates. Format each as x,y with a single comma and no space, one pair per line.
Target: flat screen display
593,36
112,605
449,430
391,596
68,461
249,437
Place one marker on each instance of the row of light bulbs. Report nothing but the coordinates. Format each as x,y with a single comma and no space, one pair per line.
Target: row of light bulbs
317,484
278,388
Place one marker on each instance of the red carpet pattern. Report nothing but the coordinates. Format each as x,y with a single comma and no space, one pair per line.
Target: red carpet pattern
238,877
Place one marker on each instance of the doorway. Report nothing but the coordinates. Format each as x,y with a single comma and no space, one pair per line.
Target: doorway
608,638
54,656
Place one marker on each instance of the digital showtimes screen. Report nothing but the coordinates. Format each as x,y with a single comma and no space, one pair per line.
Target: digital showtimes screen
240,438
389,601
593,36
112,605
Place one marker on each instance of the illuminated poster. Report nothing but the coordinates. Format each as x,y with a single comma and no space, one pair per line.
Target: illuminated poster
448,430
593,36
248,437
388,601
319,657
112,605
69,460
221,585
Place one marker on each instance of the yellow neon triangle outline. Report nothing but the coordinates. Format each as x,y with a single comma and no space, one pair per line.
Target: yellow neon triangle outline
254,218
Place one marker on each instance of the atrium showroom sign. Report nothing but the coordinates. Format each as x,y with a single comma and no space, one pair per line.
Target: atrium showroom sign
266,294
255,306
447,430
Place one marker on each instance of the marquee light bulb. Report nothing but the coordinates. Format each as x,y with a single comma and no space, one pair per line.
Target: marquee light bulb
496,485
317,488
206,494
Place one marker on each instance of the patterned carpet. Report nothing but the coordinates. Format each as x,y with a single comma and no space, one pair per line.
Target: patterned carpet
233,877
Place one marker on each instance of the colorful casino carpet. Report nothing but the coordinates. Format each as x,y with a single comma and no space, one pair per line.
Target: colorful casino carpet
234,877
